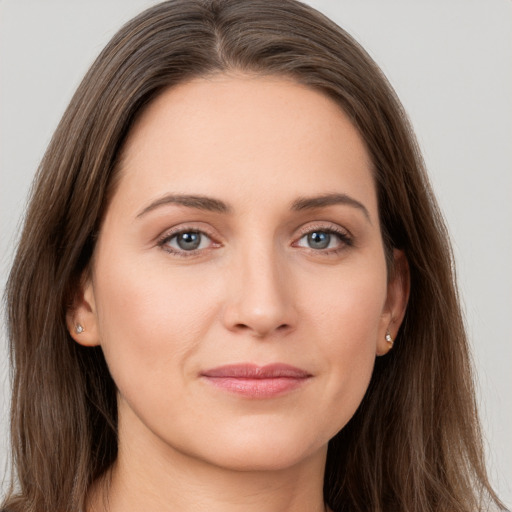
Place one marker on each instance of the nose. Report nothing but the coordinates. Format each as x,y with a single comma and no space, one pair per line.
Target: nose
260,297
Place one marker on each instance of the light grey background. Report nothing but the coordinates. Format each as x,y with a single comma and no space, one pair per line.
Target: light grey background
451,64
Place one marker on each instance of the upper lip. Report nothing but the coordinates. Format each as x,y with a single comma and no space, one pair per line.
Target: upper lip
253,371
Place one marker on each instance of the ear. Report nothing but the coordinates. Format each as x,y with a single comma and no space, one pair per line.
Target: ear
81,317
396,301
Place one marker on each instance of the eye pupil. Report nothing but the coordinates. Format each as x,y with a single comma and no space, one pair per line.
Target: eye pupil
319,239
188,241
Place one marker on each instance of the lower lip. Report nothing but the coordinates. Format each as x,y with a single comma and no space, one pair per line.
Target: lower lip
257,388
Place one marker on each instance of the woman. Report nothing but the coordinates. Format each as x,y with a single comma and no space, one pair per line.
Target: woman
232,221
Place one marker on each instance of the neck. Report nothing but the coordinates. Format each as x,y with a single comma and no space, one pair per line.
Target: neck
148,477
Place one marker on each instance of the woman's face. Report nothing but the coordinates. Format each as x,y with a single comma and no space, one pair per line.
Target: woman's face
239,288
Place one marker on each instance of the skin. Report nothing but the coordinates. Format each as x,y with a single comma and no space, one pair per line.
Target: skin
255,291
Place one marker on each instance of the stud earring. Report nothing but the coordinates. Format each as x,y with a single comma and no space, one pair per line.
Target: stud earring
389,339
79,329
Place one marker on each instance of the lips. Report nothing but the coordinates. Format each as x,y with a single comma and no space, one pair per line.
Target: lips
253,381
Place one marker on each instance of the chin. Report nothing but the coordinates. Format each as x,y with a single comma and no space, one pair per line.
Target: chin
261,450
265,458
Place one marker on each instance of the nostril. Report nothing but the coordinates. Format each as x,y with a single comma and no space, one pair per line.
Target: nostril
262,331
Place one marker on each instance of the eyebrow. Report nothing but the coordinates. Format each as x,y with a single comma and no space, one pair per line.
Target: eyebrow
216,205
190,201
309,203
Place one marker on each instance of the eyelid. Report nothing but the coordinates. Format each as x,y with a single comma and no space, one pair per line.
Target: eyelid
186,228
346,237
324,226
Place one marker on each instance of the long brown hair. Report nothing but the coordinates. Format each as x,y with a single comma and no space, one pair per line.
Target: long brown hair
414,444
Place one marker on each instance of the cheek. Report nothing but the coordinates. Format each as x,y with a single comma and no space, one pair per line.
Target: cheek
150,318
347,306
346,317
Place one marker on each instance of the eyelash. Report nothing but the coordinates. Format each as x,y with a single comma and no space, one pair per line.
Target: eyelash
344,237
165,239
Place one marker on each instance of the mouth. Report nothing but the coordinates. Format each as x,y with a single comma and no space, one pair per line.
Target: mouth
253,381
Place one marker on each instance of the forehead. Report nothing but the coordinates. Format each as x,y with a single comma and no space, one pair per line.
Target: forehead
242,135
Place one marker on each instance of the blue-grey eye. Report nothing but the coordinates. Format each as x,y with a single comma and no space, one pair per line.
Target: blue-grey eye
319,239
322,239
188,241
